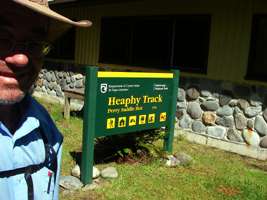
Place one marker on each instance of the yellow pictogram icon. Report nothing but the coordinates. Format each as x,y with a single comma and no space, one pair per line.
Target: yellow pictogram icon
110,123
142,119
162,117
132,120
151,118
122,122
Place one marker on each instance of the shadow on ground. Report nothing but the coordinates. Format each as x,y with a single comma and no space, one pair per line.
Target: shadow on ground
108,149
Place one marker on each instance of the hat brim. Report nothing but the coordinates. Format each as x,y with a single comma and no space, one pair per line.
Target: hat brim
52,14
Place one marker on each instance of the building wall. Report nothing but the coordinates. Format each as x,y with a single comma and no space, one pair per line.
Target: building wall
229,38
219,104
229,42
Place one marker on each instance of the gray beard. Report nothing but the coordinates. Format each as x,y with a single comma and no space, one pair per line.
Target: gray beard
10,102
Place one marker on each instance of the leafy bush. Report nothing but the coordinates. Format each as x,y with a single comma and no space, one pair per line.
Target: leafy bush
133,147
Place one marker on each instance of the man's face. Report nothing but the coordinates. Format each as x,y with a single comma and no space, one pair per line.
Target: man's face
19,66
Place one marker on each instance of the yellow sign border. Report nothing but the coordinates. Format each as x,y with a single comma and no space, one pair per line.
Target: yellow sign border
133,75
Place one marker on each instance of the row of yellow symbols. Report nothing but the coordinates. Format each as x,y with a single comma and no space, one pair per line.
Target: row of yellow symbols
132,120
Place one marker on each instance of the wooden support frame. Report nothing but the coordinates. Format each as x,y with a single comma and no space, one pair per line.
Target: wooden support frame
71,94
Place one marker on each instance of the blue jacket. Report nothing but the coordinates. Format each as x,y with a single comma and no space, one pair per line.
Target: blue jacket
28,147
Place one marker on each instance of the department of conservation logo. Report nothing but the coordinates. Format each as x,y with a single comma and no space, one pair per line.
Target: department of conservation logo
103,88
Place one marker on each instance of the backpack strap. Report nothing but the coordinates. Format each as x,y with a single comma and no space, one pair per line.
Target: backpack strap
50,162
27,171
31,169
50,154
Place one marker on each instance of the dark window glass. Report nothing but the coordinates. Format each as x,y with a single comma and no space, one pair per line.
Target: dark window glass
151,42
115,41
257,67
64,46
191,43
157,41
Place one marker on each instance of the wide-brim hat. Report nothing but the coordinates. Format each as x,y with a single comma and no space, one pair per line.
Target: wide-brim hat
41,6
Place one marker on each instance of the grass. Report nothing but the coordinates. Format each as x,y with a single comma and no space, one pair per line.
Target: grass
215,174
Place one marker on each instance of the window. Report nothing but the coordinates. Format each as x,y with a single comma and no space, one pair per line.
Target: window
257,65
151,42
115,43
64,47
191,43
180,41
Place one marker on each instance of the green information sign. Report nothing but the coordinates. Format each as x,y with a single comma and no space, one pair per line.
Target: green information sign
124,102
129,102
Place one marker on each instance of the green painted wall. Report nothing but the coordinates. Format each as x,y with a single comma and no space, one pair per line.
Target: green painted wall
229,42
229,38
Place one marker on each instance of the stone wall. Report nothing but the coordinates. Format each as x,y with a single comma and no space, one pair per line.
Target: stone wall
216,109
223,110
53,82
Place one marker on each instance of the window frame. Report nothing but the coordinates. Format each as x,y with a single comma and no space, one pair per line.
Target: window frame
250,73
